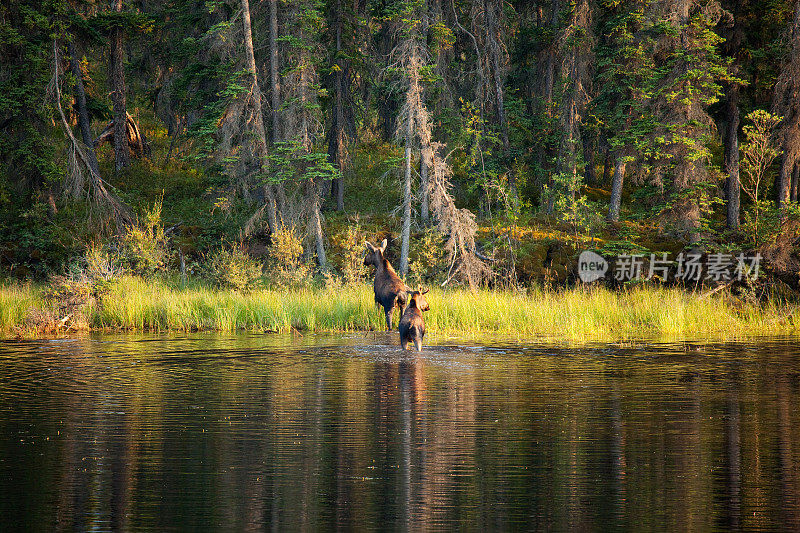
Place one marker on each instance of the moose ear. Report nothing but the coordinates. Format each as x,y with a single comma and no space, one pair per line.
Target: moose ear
369,246
383,245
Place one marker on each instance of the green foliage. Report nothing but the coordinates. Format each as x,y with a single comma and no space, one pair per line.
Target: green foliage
483,161
27,145
292,161
143,247
622,247
571,206
427,259
88,278
352,268
286,267
625,242
656,76
130,21
757,155
652,102
442,37
98,264
230,267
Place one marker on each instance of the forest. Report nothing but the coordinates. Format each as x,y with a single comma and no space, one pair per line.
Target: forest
261,143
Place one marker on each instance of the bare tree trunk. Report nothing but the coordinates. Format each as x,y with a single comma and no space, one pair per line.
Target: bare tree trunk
338,190
785,104
423,168
121,153
316,223
306,136
406,236
83,112
782,182
424,209
606,165
479,66
616,189
683,7
550,69
574,68
501,108
732,157
275,93
492,10
588,156
336,140
322,260
795,179
732,48
273,68
258,118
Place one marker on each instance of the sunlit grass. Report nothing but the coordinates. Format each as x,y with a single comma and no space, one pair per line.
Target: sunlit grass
15,303
572,314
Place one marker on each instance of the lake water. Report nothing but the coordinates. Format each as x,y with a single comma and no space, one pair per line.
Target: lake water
282,433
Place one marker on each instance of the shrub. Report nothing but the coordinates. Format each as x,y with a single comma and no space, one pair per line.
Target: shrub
428,259
286,265
143,248
757,155
232,268
87,277
100,265
67,297
353,269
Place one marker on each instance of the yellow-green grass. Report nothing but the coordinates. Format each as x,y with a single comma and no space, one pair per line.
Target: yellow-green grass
16,301
575,314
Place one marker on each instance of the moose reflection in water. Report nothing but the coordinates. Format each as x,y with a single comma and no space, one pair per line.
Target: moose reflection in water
252,432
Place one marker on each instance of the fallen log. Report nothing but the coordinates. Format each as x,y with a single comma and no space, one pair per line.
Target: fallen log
136,141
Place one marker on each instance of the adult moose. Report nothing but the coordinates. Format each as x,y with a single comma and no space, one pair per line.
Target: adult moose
390,291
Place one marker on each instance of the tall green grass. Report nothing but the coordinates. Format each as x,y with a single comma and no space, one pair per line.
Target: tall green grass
16,302
571,314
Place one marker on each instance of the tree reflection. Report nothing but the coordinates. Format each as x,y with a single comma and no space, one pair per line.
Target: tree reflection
307,437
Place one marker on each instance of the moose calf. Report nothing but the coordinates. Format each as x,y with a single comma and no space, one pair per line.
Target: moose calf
412,326
390,291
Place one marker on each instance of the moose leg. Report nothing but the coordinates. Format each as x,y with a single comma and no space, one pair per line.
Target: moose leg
388,318
402,309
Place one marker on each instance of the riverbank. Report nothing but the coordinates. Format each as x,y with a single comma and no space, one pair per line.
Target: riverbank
134,304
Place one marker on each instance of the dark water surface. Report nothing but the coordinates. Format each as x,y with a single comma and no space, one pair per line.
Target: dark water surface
214,433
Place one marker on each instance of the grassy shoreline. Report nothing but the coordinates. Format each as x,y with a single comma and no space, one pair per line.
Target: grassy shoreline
134,304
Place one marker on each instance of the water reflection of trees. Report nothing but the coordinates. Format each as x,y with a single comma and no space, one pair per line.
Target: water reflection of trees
309,439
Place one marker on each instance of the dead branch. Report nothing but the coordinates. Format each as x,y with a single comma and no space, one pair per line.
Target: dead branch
97,187
714,290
